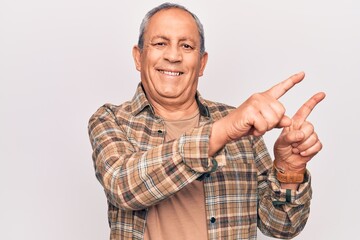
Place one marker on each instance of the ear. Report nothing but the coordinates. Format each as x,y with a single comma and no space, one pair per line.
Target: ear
203,62
136,52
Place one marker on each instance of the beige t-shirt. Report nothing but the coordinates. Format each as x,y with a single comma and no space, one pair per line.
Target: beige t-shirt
181,216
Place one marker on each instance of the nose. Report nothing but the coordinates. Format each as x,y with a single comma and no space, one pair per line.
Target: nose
173,54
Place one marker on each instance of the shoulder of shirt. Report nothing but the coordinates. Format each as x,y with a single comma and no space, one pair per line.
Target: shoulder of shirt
111,111
217,110
124,108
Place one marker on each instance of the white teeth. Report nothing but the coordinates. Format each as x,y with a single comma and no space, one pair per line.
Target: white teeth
171,73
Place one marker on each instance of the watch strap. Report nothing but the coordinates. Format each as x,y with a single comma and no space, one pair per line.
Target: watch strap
289,177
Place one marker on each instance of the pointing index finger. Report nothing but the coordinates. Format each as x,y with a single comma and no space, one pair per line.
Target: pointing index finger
281,88
305,110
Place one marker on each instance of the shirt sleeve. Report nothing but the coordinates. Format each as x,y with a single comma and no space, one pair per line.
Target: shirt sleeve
134,179
282,213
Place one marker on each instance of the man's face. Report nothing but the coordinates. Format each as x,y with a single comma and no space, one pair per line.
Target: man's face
170,62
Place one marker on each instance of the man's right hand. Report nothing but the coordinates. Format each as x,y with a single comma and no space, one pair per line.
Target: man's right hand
258,114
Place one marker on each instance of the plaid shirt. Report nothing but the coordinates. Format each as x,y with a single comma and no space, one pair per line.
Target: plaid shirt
137,169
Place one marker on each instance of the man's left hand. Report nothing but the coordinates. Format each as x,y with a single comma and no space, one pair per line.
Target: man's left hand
298,143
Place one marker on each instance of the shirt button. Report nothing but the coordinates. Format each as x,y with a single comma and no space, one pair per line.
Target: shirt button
212,220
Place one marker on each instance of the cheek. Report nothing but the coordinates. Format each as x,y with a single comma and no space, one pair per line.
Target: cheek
195,63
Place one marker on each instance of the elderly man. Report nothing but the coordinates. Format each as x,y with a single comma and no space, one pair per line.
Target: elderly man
176,166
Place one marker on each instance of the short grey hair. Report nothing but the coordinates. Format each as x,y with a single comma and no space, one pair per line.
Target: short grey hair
164,6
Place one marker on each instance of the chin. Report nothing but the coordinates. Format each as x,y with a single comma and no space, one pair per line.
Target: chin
171,92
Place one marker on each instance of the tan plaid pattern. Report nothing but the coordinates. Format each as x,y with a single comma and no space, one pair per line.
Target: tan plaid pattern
138,169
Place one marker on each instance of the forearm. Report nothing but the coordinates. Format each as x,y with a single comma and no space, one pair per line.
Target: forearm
139,180
218,137
283,213
135,179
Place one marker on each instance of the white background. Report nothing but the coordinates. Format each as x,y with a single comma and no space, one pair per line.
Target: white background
61,60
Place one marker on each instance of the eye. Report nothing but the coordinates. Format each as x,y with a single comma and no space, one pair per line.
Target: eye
187,46
159,44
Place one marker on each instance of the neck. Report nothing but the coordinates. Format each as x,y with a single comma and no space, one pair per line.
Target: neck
176,112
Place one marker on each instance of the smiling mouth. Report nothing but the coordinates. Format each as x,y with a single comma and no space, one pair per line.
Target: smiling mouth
170,73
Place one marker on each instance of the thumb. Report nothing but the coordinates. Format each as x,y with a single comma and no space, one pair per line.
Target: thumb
285,121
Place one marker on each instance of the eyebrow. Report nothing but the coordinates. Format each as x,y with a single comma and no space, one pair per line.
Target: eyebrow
168,39
159,36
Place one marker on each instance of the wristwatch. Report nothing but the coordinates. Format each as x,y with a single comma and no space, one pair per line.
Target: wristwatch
290,177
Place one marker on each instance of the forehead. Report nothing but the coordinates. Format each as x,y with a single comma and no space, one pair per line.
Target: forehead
172,23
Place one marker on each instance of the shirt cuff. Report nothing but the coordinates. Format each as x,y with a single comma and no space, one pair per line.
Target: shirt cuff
288,196
194,150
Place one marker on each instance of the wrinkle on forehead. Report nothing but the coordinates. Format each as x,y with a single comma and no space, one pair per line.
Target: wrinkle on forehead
172,19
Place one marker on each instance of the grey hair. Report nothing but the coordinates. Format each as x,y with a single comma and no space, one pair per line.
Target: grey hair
167,5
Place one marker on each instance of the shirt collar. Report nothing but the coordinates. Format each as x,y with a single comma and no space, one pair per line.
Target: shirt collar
140,103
